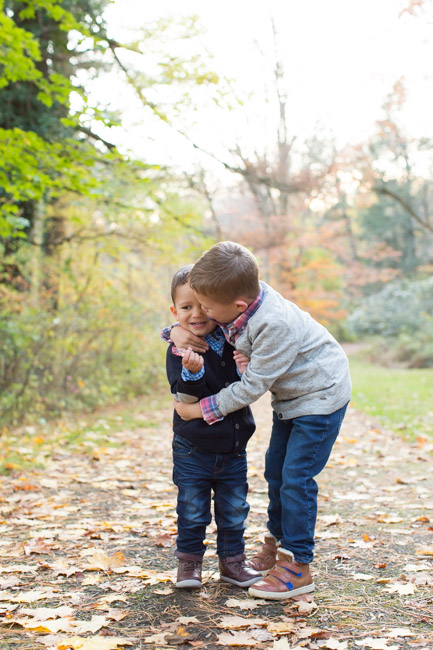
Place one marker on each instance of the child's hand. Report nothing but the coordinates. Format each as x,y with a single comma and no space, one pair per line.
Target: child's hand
192,361
241,361
183,339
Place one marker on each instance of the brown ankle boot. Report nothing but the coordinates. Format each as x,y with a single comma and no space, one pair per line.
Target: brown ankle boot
237,571
189,570
267,556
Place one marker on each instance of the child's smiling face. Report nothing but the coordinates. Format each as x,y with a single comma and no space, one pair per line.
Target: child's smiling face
188,312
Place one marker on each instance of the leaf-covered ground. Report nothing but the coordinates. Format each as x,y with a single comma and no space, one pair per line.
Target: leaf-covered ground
86,548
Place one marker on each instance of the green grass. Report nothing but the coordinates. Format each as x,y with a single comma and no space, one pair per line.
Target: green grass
402,399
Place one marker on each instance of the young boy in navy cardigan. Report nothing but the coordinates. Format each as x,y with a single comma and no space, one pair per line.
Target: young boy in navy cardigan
205,459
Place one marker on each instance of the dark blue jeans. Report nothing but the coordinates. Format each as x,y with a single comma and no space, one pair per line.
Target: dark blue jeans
298,450
196,474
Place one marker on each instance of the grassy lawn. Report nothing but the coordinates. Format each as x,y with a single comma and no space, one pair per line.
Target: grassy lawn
402,399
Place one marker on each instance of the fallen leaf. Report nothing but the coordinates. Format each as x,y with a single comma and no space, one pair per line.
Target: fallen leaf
18,568
283,644
281,628
403,589
395,632
186,620
93,625
38,545
165,540
117,614
238,622
236,639
389,519
250,603
100,561
334,644
93,643
376,644
305,607
156,638
33,595
362,576
425,550
44,613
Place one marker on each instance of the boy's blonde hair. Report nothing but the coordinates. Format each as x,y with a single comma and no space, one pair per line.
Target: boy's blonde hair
226,271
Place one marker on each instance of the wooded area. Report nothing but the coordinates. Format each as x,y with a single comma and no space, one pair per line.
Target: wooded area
90,234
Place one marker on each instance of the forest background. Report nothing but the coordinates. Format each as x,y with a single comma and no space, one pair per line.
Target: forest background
94,220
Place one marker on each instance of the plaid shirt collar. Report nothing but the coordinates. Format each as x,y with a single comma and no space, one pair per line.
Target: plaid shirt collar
232,331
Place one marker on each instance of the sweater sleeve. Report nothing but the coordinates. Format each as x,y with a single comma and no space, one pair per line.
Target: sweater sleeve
274,344
183,390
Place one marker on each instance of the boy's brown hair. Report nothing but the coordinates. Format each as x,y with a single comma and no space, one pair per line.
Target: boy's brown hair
179,279
225,272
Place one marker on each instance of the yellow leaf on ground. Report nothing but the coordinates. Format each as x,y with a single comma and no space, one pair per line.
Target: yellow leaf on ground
281,628
425,550
389,519
100,561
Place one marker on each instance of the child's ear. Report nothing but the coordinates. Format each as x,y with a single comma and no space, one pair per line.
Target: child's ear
173,310
242,305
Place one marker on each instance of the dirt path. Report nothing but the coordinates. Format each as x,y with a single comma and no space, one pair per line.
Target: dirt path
93,533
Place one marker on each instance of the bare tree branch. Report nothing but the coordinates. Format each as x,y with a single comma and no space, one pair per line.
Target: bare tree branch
382,189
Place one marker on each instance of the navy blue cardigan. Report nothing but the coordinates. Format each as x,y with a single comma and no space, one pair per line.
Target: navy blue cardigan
230,434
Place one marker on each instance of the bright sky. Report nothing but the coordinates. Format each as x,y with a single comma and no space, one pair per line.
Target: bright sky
341,57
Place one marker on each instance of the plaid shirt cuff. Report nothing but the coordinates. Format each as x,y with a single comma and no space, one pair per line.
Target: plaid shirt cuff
210,410
165,333
192,376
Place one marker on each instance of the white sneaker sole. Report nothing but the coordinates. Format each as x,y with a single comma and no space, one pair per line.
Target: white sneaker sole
247,583
185,584
280,595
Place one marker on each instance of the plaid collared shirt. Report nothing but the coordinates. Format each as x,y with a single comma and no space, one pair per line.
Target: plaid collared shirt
232,332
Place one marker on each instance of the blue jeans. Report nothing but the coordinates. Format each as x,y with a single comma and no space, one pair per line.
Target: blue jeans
196,473
298,450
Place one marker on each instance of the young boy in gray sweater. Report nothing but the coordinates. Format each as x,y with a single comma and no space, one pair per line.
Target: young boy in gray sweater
306,371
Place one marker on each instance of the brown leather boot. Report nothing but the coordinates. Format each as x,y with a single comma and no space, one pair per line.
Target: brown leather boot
189,570
236,571
267,556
